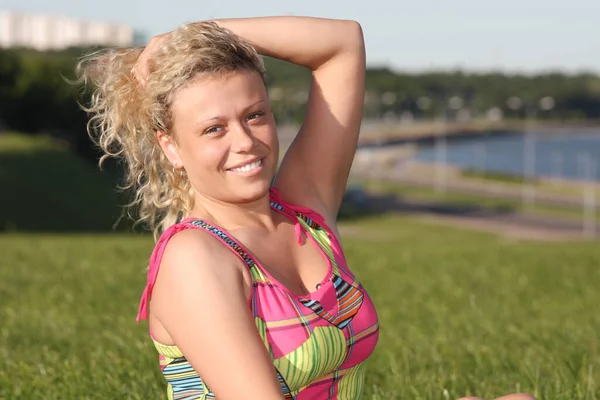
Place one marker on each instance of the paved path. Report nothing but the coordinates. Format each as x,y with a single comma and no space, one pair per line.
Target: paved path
508,223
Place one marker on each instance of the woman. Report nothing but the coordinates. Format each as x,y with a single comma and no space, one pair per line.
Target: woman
248,289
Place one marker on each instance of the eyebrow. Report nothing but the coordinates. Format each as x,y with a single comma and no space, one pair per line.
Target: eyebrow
216,118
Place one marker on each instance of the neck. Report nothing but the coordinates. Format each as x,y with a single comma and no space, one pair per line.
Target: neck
255,214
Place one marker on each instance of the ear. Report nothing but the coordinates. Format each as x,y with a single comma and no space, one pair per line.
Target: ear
169,148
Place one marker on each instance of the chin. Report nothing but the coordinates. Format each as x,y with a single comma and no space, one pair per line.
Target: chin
252,192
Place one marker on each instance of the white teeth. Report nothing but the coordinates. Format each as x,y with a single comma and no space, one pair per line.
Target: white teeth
247,167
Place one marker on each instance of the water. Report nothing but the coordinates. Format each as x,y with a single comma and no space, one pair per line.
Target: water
567,154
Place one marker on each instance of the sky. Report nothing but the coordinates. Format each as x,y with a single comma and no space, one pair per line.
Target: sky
515,36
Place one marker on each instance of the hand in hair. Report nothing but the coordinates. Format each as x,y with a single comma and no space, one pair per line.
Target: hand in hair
141,68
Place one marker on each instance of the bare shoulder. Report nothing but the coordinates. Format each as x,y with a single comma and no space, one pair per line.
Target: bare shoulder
196,247
309,200
193,257
295,195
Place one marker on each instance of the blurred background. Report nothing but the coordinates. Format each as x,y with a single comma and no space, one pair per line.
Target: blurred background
471,211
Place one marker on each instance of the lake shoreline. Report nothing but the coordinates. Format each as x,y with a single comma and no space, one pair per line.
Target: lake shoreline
426,133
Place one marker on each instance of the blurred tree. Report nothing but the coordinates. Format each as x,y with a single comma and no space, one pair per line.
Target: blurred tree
34,96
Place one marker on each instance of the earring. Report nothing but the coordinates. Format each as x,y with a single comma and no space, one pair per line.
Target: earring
178,169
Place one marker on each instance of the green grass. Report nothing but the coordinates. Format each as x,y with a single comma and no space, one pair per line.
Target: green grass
460,313
498,204
497,176
48,188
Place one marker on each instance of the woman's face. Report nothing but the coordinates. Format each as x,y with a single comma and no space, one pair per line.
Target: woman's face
224,137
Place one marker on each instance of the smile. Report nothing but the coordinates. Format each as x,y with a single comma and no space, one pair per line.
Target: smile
248,167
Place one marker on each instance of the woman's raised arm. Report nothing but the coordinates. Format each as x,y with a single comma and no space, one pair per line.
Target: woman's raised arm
315,169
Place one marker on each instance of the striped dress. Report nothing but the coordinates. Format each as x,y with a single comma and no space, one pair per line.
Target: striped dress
318,343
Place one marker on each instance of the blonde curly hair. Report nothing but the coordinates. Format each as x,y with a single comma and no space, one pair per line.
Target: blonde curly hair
125,116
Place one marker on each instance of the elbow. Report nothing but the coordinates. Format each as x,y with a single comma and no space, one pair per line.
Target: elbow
354,40
355,33
344,41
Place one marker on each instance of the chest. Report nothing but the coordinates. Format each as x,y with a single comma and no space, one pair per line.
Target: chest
310,338
310,331
300,266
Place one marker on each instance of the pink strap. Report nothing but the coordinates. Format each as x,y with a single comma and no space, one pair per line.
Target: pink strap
155,259
318,218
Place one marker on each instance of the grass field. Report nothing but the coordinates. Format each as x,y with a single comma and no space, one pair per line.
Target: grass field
460,313
45,187
489,203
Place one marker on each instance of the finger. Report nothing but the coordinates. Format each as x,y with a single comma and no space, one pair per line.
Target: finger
138,75
141,68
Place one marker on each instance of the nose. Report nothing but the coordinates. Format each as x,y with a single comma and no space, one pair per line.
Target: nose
242,139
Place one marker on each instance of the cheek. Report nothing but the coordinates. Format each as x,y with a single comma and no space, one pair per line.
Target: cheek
204,157
268,136
272,140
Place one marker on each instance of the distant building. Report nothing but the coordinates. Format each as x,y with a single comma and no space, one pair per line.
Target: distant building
53,32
